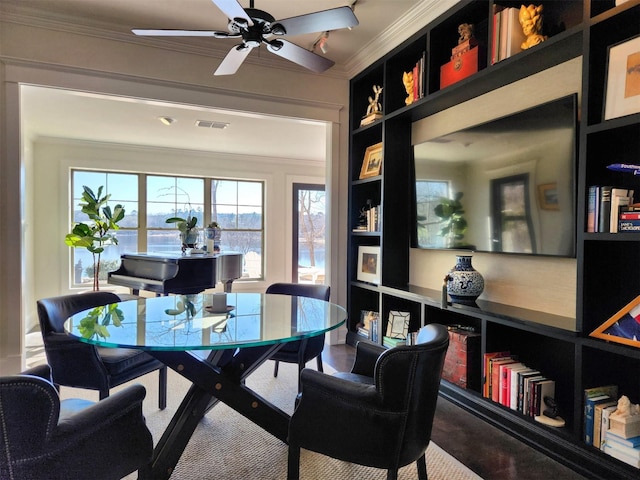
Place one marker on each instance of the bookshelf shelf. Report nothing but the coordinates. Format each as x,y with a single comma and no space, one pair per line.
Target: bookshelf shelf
607,270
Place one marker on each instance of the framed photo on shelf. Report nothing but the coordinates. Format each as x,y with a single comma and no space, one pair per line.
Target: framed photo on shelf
398,324
623,79
548,196
368,264
623,327
372,162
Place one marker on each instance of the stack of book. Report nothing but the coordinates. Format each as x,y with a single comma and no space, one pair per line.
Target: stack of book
391,342
507,33
629,218
368,325
605,204
597,407
515,385
624,449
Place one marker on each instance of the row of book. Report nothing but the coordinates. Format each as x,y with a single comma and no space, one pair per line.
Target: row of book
507,33
418,78
368,325
512,384
369,219
599,404
610,209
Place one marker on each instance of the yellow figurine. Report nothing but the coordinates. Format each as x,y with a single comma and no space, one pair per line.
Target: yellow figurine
531,20
407,79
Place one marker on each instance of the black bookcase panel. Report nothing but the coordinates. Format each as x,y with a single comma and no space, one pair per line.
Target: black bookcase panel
607,264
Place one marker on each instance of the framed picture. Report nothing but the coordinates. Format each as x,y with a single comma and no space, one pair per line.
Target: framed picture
548,196
398,324
372,163
369,264
623,327
623,79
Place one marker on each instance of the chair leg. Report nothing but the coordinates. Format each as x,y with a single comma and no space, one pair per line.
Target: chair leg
392,474
293,466
104,394
319,359
275,368
422,468
162,388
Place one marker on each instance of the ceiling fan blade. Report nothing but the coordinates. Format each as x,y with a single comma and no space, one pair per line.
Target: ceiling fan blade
233,10
233,60
299,55
333,19
182,33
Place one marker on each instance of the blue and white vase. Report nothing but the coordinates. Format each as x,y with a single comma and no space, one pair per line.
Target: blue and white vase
464,283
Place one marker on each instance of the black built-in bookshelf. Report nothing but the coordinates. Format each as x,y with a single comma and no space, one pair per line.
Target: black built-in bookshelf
607,264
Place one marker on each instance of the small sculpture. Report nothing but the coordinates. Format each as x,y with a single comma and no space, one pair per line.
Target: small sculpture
465,31
407,80
374,103
625,408
531,20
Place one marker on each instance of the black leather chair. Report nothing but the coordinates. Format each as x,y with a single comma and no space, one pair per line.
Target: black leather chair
43,437
380,414
77,364
300,351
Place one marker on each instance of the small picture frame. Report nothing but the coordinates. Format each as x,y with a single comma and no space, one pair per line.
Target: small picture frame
368,268
398,324
372,162
623,327
548,196
623,79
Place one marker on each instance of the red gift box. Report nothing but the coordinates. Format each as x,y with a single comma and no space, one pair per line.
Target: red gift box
461,66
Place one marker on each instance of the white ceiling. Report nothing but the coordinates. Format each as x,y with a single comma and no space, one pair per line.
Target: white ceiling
57,113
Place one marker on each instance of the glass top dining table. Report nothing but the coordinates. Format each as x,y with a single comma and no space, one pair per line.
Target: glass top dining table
189,322
216,349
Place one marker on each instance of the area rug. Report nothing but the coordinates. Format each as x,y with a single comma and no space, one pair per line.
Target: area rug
227,446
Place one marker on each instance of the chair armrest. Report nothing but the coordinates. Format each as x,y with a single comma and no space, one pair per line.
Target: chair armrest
123,403
366,357
42,371
320,387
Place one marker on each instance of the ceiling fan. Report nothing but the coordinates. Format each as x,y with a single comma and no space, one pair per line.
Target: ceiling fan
256,27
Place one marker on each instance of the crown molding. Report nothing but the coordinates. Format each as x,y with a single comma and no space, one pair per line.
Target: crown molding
423,13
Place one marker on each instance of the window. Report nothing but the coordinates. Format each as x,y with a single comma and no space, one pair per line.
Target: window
428,195
308,233
511,215
237,205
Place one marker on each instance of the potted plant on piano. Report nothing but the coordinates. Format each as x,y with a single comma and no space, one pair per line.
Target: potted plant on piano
97,233
188,230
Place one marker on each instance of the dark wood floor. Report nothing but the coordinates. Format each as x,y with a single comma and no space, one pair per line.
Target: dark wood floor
486,450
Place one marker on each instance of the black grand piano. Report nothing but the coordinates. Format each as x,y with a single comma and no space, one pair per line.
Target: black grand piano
165,273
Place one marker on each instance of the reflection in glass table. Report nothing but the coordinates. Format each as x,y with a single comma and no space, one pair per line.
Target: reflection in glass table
215,350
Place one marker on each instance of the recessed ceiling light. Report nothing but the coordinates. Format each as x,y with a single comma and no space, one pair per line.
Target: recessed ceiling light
166,120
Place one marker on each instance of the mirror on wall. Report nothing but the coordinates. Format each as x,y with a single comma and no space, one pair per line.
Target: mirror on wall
503,186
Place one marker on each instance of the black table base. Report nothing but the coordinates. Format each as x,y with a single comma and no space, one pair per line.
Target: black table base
219,377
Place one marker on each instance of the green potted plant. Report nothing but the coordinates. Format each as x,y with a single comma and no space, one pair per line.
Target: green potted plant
97,233
188,230
454,225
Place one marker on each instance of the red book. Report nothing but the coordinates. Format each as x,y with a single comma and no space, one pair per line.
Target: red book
488,357
495,376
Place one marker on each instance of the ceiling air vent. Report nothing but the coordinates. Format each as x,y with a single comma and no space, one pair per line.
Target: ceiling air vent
211,124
